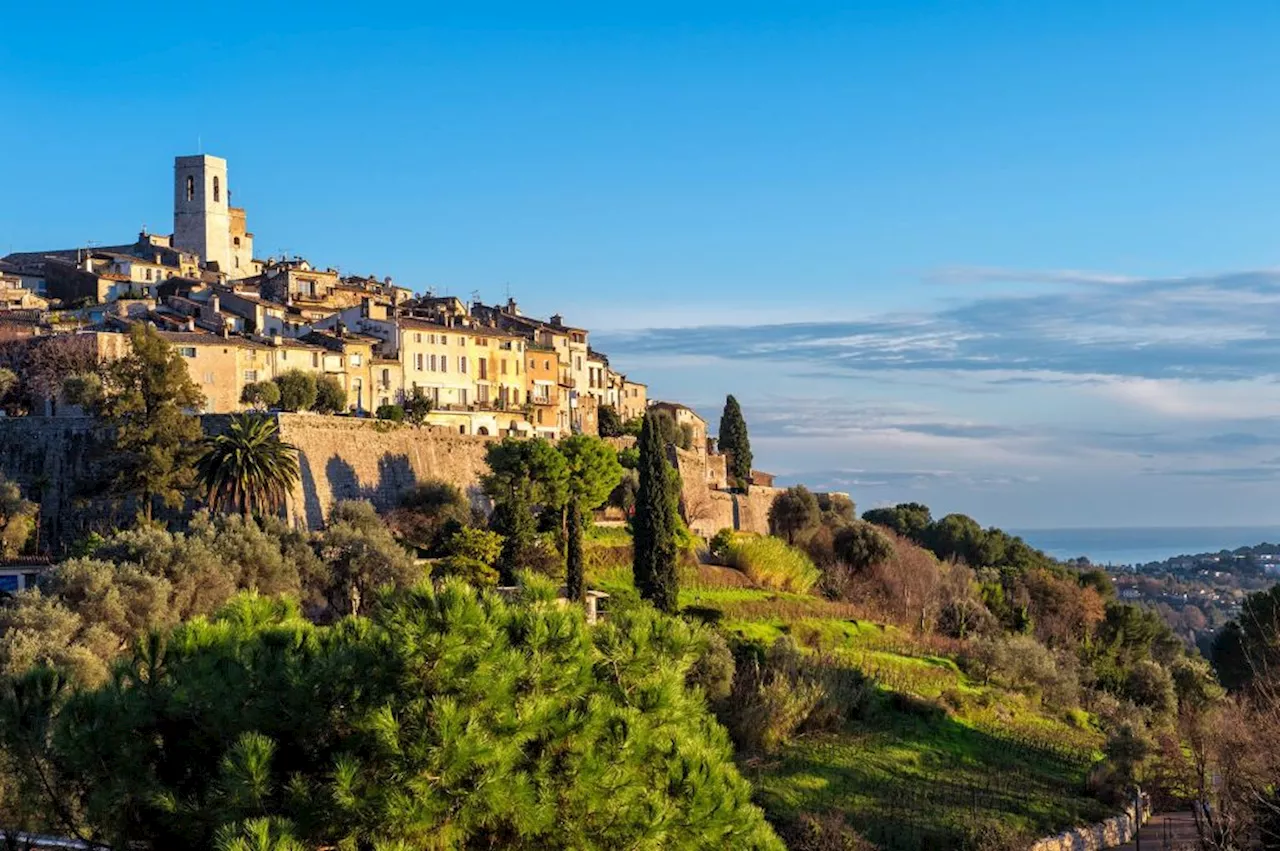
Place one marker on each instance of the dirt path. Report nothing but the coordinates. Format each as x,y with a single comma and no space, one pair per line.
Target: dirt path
1166,832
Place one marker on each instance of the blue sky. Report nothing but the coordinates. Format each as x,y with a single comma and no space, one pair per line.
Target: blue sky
1015,259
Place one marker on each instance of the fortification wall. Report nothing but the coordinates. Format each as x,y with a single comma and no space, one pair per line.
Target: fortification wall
339,457
707,509
347,458
49,458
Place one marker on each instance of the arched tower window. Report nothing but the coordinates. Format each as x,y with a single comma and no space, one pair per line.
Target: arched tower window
217,195
191,188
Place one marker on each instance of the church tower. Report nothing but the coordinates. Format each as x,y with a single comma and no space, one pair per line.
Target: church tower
201,212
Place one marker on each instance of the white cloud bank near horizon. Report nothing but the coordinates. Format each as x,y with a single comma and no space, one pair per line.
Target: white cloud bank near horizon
1083,398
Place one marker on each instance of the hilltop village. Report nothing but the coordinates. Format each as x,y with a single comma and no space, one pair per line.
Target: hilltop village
239,320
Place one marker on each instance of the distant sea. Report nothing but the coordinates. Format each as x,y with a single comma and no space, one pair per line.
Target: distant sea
1138,545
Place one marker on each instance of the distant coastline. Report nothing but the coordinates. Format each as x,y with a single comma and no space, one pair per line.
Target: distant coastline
1144,544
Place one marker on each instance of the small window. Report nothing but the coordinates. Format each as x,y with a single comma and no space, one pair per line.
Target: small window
217,190
250,375
187,351
417,338
148,274
191,188
356,360
433,363
546,364
462,365
315,360
418,361
236,241
444,339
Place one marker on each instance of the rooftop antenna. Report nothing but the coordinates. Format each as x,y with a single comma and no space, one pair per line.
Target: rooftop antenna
508,290
475,296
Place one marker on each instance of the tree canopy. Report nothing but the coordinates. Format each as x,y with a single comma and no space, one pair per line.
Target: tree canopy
298,390
444,719
149,401
794,512
331,396
17,519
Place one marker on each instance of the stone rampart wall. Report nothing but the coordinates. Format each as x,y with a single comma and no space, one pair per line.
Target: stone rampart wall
340,458
708,509
49,457
346,458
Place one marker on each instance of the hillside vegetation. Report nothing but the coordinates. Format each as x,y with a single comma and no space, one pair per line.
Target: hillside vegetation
911,743
889,681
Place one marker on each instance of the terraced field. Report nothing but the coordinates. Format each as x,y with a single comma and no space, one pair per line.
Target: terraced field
934,759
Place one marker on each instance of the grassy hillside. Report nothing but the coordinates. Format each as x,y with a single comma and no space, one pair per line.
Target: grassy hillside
931,758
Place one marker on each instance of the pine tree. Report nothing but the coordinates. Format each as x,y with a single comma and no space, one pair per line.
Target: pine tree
654,525
148,401
735,442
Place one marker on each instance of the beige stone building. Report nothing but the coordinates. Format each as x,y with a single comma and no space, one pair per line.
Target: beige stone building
687,418
542,387
440,360
632,399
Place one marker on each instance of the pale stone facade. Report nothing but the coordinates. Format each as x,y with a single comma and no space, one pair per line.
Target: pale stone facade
201,209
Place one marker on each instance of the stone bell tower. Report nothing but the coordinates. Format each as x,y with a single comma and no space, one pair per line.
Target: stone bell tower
201,212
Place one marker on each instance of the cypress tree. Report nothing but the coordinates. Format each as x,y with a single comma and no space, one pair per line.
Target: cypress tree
654,525
513,519
575,581
734,441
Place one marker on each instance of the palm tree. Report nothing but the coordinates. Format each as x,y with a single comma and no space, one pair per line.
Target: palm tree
249,469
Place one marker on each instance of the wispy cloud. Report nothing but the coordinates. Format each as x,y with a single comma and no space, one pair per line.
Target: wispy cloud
1210,328
1110,387
996,274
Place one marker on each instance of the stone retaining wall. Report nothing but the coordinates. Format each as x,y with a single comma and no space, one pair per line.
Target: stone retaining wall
1111,833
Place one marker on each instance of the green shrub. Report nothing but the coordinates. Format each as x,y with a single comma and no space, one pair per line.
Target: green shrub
394,413
771,563
478,544
783,691
297,390
260,394
718,546
954,699
713,670
331,396
828,831
472,571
